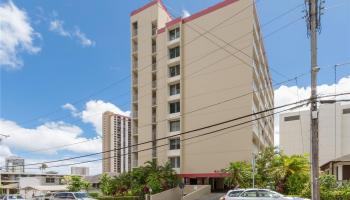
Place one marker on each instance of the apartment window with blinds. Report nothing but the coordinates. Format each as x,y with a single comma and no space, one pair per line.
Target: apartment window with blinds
174,89
174,70
175,162
292,118
174,144
174,34
174,107
174,52
174,126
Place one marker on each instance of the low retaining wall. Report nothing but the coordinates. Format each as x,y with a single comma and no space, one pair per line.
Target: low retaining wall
196,191
172,194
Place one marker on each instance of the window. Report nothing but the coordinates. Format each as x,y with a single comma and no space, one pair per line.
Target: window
174,70
174,143
174,107
346,111
174,34
235,193
174,89
134,28
174,52
174,125
292,118
250,193
175,162
50,180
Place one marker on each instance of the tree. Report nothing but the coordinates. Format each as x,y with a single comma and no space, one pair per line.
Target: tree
43,167
76,183
106,184
240,175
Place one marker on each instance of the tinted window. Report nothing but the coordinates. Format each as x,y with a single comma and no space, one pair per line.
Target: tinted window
174,107
251,193
70,196
264,193
174,126
174,70
81,195
234,193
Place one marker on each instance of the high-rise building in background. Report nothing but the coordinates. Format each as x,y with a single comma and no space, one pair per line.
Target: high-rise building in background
194,71
334,132
14,164
116,143
80,171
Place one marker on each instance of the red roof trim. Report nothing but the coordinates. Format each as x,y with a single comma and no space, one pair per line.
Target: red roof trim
196,15
161,30
173,22
149,5
205,175
209,10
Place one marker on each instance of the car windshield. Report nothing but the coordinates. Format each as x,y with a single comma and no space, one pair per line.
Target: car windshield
15,197
81,195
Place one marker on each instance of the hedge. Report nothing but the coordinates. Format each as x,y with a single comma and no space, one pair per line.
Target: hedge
120,198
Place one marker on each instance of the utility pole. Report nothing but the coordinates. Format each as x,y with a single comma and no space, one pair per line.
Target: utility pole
313,21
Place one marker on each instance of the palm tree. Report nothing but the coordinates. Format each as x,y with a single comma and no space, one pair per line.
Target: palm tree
43,167
239,175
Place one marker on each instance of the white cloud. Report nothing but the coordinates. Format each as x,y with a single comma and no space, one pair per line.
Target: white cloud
46,136
185,13
17,35
83,40
57,26
93,113
72,109
286,95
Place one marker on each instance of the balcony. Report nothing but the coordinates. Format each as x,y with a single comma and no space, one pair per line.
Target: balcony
134,115
154,101
154,67
154,49
135,163
154,84
134,149
134,32
154,118
154,31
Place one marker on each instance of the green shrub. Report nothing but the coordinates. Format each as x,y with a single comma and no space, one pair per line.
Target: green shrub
119,198
94,194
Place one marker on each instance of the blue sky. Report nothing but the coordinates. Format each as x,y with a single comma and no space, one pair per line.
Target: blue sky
84,47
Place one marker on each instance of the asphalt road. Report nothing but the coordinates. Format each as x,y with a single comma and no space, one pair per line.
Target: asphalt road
212,196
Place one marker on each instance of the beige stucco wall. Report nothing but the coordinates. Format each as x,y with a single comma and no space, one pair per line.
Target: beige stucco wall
209,74
172,194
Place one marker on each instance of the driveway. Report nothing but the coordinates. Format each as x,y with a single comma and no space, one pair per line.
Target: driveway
212,196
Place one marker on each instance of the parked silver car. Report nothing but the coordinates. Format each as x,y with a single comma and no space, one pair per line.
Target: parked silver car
12,197
72,196
256,194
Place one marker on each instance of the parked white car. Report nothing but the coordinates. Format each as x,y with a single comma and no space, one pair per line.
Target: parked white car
256,194
12,197
72,196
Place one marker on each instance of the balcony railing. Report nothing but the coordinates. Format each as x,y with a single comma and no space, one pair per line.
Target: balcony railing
154,84
154,66
134,115
134,32
154,119
154,48
154,101
154,31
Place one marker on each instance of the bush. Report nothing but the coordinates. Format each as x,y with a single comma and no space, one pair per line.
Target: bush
119,198
94,194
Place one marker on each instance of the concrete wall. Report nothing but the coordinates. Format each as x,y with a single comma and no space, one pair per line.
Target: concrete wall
172,194
334,132
200,191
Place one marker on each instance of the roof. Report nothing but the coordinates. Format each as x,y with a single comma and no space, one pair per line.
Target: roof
154,2
198,14
345,158
47,188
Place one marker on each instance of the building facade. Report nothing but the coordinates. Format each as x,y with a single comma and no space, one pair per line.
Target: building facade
80,171
181,69
14,164
116,143
334,132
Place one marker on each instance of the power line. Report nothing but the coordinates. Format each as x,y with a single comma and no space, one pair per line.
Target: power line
190,131
200,135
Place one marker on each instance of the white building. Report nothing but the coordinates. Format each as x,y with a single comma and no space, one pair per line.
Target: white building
14,164
334,132
80,171
116,141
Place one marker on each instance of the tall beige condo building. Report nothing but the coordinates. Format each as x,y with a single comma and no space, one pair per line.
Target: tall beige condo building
334,132
116,143
195,71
